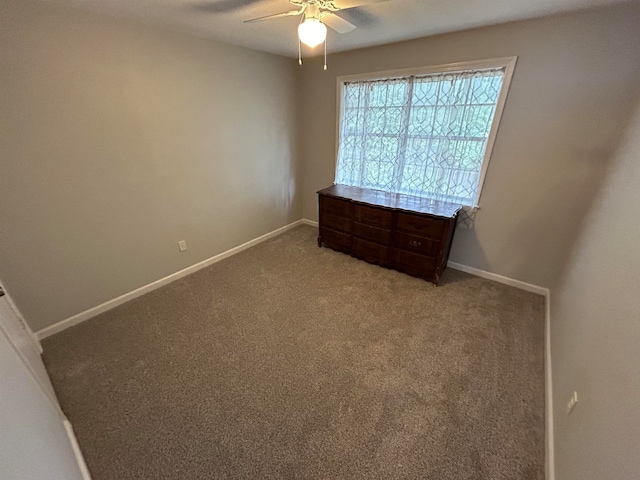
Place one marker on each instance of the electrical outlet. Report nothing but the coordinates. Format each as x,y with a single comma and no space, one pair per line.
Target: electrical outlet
182,245
572,402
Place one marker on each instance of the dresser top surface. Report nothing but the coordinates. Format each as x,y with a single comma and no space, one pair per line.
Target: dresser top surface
395,201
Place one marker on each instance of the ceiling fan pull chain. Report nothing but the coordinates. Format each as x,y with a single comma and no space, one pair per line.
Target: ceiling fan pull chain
325,53
299,52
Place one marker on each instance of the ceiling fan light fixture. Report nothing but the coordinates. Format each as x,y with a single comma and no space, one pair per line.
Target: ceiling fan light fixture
312,32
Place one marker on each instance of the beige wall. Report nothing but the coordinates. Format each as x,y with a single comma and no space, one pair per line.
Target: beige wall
569,98
596,333
118,140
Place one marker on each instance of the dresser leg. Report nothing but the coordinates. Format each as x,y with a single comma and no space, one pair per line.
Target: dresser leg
319,241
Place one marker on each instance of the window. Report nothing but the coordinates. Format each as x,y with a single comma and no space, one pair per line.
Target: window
426,132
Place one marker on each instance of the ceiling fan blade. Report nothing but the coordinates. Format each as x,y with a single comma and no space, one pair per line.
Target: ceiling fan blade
339,24
344,4
221,6
275,15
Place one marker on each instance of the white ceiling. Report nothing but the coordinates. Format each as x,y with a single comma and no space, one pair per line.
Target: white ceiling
392,21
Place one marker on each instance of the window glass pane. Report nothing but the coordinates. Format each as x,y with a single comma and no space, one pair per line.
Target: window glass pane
425,92
422,120
382,120
388,93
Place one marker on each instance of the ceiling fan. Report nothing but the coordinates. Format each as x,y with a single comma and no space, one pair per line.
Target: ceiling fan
316,16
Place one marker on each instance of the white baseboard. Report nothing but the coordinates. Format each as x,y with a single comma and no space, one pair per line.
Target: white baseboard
529,287
108,305
20,317
84,471
311,223
548,400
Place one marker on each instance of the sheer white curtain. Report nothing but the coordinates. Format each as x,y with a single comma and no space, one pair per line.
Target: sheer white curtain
419,135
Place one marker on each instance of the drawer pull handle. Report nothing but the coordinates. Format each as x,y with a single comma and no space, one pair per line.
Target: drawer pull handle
415,243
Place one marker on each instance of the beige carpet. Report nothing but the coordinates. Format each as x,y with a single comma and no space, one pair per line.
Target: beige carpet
290,361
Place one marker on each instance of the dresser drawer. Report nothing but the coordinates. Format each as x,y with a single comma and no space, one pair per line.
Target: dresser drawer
372,216
370,252
420,225
416,244
334,222
413,264
336,240
369,232
335,206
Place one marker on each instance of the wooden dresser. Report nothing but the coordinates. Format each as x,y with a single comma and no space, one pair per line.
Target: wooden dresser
409,234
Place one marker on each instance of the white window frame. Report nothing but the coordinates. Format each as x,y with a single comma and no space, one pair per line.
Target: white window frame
508,63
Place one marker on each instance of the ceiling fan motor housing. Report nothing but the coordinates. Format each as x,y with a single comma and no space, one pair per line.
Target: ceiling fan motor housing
317,4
